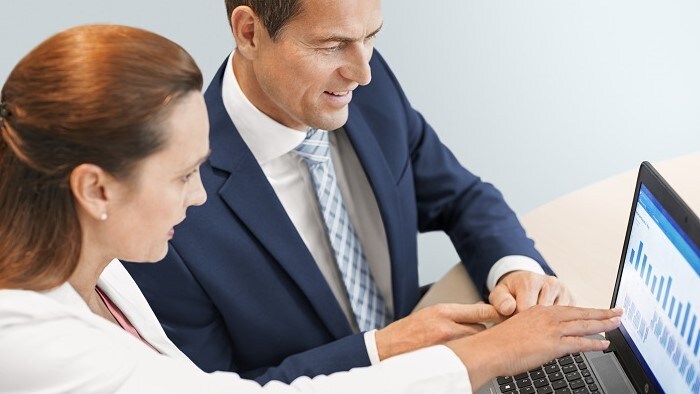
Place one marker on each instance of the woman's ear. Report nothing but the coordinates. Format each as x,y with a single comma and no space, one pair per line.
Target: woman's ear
89,184
246,27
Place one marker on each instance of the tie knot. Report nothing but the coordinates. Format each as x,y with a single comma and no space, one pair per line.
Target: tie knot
315,147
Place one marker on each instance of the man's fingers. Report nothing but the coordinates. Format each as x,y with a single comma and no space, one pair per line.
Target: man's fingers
502,300
565,298
548,296
526,296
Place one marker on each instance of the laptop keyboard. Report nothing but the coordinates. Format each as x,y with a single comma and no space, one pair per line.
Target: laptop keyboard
566,375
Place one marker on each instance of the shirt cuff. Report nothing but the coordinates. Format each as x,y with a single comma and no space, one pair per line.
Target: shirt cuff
435,369
511,263
371,345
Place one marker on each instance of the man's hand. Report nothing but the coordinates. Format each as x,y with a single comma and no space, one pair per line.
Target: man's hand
519,290
433,325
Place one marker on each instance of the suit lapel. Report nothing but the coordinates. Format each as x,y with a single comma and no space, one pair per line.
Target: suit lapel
250,196
383,184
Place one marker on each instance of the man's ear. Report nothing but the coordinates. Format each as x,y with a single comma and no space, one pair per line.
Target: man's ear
89,185
247,30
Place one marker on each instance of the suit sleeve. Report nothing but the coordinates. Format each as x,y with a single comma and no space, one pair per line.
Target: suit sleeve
341,355
449,198
195,325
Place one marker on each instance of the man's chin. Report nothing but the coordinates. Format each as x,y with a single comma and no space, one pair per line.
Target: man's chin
332,121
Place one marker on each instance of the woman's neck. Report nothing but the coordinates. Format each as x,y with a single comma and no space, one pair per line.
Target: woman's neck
84,280
90,266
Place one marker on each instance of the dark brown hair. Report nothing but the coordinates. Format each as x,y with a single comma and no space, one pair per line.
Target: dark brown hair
91,94
274,14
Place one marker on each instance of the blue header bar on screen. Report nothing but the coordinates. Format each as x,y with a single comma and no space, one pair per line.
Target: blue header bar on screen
669,227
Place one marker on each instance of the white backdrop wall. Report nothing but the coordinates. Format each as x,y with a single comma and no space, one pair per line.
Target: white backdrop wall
538,97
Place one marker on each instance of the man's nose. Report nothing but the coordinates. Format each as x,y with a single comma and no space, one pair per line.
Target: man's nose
357,68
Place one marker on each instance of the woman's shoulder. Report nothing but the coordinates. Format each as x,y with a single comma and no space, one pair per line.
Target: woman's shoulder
55,340
50,342
17,306
50,346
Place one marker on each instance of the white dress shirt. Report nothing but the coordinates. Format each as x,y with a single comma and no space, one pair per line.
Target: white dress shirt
51,342
273,145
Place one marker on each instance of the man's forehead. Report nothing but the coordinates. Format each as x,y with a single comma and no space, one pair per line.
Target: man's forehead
327,14
347,18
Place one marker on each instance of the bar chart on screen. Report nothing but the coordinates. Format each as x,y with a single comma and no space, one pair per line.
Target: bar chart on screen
659,292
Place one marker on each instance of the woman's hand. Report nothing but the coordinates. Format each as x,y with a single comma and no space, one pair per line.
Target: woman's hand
531,338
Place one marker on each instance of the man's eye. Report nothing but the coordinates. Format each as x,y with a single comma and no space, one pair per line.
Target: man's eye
334,48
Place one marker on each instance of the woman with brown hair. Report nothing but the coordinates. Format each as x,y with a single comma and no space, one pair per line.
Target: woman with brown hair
102,132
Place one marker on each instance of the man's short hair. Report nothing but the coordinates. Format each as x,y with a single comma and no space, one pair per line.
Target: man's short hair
274,14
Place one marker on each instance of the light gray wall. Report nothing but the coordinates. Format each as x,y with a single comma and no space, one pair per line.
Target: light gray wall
544,97
538,97
201,27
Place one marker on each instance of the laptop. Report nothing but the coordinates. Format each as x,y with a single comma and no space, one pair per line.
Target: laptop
656,349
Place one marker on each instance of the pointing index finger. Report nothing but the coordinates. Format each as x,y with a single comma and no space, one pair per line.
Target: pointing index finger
475,313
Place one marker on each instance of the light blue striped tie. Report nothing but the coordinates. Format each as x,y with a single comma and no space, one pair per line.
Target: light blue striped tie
365,298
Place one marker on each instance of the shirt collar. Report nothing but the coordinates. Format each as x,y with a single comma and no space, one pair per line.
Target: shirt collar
265,137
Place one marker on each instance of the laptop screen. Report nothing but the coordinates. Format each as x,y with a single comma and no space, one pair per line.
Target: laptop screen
660,291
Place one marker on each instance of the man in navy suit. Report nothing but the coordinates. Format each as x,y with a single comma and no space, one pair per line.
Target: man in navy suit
320,177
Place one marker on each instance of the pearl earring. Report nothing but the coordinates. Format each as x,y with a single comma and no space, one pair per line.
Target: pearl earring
103,217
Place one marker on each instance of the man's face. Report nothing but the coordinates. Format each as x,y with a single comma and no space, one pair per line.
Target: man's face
305,77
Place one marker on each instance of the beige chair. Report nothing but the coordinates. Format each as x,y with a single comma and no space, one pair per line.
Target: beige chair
581,235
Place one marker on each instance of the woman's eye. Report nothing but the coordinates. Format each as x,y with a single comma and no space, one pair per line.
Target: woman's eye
187,177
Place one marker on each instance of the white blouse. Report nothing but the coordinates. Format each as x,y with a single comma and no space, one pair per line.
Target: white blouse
50,342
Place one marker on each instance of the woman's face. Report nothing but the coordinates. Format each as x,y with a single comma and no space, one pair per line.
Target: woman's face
163,186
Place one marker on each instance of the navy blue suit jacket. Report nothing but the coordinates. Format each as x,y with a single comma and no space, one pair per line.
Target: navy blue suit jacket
239,290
